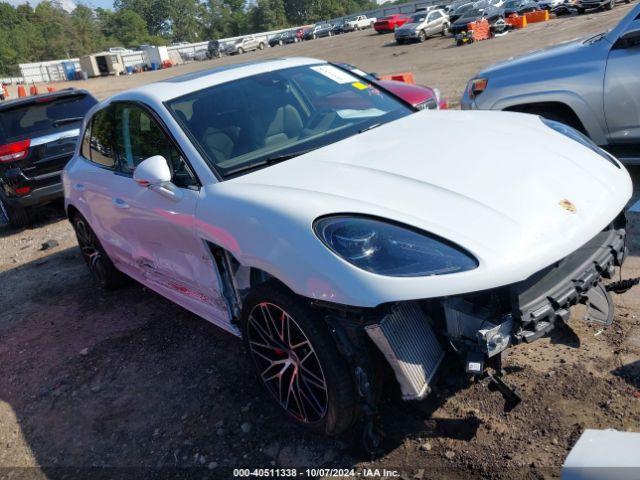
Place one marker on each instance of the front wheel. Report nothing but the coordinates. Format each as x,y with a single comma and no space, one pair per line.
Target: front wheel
445,30
261,46
240,51
422,37
581,11
99,263
610,5
296,359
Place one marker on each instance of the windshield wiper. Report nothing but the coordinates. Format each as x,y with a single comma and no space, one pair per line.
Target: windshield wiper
62,121
270,161
370,127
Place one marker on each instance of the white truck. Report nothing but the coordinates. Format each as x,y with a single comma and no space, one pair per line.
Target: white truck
359,22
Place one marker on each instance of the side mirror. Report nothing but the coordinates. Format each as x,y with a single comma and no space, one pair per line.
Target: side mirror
152,172
628,40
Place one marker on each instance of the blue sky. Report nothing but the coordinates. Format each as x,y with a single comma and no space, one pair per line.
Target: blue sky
68,4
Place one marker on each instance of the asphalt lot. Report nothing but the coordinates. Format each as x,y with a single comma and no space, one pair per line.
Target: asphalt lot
126,379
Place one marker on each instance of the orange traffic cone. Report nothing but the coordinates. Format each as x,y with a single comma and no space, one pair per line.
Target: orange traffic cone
21,91
6,91
33,90
51,89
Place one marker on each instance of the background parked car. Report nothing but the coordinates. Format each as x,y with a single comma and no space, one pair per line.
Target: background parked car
601,101
583,5
214,49
423,25
318,31
390,23
38,136
338,27
491,14
519,7
242,45
359,22
276,40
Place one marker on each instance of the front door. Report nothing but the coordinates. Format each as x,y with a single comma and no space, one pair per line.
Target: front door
167,255
622,90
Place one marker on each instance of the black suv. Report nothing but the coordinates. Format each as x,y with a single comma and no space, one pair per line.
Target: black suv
38,136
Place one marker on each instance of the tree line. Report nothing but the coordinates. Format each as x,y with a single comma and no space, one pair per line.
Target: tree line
47,31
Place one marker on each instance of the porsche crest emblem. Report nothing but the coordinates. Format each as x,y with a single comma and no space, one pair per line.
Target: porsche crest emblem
568,206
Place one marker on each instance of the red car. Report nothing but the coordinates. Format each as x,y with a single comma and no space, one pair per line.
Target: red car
390,23
421,97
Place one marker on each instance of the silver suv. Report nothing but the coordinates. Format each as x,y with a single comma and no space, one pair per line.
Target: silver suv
590,84
245,44
422,25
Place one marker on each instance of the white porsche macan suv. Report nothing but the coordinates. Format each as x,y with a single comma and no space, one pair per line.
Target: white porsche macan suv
335,228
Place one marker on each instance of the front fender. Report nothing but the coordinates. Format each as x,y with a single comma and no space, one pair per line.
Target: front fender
590,119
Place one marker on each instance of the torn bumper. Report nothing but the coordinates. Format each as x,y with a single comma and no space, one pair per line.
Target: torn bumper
412,336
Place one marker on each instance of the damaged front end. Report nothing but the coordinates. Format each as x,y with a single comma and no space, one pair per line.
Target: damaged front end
414,336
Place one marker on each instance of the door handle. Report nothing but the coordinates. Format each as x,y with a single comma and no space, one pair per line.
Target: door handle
119,203
79,187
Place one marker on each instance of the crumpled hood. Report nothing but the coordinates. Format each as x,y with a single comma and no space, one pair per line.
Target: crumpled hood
493,182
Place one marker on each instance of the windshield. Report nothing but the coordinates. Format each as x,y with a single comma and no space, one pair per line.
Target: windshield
254,121
418,18
463,8
476,12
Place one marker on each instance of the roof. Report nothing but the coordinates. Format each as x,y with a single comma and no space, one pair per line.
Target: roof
181,85
7,104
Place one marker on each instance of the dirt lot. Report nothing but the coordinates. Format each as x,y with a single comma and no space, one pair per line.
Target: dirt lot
126,379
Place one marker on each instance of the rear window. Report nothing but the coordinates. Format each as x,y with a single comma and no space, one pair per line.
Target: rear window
33,119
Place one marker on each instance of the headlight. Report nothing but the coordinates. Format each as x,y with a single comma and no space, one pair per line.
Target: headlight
476,86
581,138
386,248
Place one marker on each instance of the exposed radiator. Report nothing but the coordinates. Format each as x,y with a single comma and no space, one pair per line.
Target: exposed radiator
407,341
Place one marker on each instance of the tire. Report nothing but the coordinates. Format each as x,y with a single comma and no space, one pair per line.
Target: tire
17,217
610,5
261,46
445,30
99,263
335,406
581,11
422,37
399,42
280,42
240,51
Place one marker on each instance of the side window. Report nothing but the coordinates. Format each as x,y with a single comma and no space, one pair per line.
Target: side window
100,140
138,136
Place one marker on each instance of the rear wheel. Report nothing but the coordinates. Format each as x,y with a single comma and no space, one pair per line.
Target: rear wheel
296,360
16,217
261,46
99,263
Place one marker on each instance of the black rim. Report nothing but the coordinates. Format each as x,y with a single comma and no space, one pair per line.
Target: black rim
90,251
287,363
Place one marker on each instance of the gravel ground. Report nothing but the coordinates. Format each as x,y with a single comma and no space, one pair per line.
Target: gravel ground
127,379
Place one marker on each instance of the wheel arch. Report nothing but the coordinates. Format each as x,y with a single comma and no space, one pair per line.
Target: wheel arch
558,108
567,100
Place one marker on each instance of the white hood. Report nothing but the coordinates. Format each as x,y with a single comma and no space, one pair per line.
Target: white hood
492,182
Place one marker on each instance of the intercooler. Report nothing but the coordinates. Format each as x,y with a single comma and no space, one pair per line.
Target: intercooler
410,346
